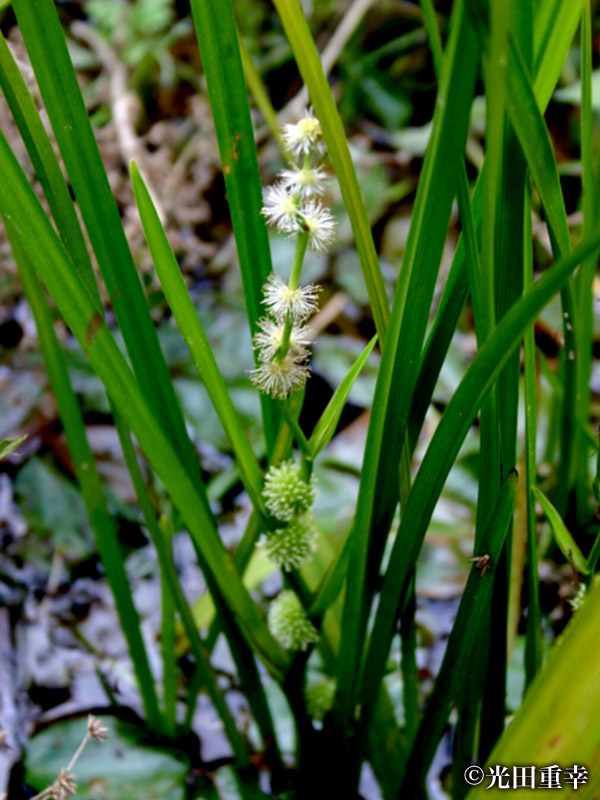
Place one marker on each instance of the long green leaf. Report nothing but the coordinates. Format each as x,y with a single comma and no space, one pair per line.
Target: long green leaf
37,237
46,166
464,638
533,641
443,449
564,540
103,525
170,584
554,28
585,278
64,103
537,147
534,138
218,40
559,720
555,25
192,331
378,491
325,427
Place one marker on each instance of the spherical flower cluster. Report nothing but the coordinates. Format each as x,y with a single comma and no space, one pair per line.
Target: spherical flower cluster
319,697
291,208
291,205
286,494
289,624
289,498
270,339
282,343
289,547
303,182
280,378
305,137
284,301
281,209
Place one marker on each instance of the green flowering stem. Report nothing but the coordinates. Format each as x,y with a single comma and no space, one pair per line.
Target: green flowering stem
301,440
301,245
300,252
285,339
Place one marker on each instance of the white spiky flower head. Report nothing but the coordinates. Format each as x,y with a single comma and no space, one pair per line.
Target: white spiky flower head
280,378
270,338
281,209
305,137
281,300
290,547
319,224
305,182
286,494
289,624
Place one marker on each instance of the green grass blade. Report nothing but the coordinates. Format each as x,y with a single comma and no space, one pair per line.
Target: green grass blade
168,639
537,147
46,166
308,61
464,638
37,237
559,720
592,559
8,445
585,278
378,493
408,662
508,253
488,692
185,314
64,103
325,427
554,27
436,348
218,40
444,447
535,140
333,580
433,35
559,25
160,535
533,641
102,523
562,536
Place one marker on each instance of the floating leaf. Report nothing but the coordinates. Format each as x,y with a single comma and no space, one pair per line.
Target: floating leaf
120,768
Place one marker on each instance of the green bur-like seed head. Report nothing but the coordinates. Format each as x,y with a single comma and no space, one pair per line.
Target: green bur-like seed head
291,546
286,494
289,624
319,697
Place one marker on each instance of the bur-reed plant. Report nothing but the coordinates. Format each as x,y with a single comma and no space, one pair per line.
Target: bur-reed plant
341,606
